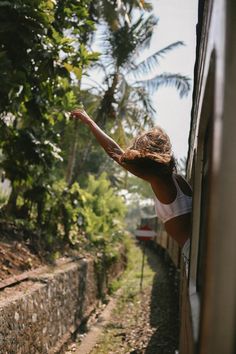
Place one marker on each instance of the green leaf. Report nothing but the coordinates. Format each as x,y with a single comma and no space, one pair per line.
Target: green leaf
77,71
68,67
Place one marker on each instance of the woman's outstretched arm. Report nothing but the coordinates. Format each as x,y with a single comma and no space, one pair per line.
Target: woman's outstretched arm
108,144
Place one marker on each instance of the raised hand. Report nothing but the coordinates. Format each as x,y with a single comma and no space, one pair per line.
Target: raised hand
79,113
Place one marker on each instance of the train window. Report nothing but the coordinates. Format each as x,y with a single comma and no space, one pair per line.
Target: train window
204,206
207,145
201,181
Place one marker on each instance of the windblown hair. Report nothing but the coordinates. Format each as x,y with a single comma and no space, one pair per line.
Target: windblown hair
151,150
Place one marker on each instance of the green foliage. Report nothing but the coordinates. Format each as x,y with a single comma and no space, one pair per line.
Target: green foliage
41,44
44,54
3,198
103,212
88,217
125,98
76,216
43,51
131,38
137,185
59,222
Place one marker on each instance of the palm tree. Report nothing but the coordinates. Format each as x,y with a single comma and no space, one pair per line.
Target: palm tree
116,12
125,101
125,94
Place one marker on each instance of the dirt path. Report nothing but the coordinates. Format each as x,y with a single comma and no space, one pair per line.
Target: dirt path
90,340
137,322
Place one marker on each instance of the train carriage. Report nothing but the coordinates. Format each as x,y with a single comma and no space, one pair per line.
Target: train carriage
208,287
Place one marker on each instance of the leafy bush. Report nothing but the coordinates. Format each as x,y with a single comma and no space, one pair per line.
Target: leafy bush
104,210
3,198
37,61
91,217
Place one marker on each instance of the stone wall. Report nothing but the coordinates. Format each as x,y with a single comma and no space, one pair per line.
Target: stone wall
38,315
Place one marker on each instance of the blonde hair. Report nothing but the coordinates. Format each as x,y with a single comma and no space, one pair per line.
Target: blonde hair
153,145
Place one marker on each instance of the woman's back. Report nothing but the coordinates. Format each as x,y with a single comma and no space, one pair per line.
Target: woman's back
173,202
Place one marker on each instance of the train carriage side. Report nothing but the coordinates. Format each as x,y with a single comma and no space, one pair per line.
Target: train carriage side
209,318
208,289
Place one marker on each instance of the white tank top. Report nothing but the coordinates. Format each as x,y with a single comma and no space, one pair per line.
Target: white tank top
181,205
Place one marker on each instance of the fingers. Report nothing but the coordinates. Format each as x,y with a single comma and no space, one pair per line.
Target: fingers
77,112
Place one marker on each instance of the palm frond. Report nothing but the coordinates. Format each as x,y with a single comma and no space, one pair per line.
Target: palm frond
144,31
137,119
143,99
110,14
141,4
134,96
91,100
120,134
180,82
150,63
147,6
126,41
124,91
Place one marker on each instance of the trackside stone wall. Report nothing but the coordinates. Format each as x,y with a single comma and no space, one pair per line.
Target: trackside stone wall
39,314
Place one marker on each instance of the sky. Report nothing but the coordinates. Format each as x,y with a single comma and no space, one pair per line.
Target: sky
177,22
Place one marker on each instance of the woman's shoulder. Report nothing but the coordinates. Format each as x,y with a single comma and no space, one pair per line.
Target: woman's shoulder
183,184
164,189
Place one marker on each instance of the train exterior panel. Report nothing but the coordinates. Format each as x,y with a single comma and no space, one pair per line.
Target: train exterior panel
208,286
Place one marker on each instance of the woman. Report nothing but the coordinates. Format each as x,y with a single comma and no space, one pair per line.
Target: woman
150,157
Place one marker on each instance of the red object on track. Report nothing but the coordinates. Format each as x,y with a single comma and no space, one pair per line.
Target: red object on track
145,233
